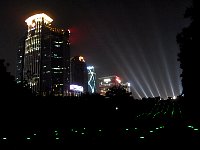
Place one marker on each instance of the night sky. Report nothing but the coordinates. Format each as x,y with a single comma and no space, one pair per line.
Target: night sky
134,39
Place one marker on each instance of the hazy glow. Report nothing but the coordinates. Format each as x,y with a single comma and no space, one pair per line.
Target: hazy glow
148,68
168,77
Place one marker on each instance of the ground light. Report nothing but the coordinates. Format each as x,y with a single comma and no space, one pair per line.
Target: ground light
190,126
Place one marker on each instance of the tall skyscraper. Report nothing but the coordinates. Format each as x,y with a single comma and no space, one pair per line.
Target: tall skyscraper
79,75
91,79
45,57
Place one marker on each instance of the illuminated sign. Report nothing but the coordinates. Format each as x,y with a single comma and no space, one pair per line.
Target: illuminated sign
107,80
90,67
76,88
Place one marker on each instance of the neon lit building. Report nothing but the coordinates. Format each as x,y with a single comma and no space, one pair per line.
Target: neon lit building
45,57
78,74
107,82
91,79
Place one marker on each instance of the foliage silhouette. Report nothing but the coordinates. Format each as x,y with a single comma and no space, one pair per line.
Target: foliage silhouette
116,91
188,58
185,39
8,86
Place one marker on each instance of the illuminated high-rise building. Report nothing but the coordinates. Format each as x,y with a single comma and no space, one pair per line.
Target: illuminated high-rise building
45,57
79,76
91,79
107,82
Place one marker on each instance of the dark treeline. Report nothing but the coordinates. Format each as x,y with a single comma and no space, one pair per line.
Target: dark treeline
72,111
22,114
188,57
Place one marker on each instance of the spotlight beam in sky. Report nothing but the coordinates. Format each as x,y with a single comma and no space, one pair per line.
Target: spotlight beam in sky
121,61
147,66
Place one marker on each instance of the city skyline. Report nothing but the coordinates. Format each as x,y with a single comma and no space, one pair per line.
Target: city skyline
135,40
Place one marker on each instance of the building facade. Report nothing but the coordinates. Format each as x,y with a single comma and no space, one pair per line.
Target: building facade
109,81
79,75
91,79
46,57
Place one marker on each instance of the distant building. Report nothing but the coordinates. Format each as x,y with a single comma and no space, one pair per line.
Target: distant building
20,62
91,79
78,74
107,82
127,86
44,57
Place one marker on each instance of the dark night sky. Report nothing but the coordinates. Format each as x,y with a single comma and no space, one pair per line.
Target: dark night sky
134,39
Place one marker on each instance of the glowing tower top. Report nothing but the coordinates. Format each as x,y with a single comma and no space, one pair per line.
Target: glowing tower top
38,18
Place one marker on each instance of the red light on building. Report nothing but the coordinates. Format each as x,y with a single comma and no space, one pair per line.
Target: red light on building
118,79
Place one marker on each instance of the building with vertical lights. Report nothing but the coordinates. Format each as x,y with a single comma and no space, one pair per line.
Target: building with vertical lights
91,79
44,57
78,74
20,61
107,82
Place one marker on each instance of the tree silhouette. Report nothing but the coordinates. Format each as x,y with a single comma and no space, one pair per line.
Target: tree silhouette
117,90
185,39
6,79
188,58
8,86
